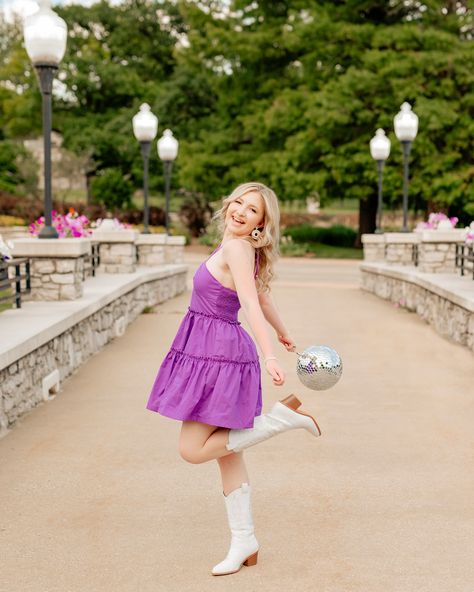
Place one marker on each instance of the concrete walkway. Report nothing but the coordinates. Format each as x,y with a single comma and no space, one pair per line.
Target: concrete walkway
95,498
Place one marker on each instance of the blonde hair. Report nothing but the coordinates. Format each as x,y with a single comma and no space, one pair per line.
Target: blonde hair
268,241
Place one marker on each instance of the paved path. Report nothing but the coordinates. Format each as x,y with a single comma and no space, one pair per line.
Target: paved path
95,498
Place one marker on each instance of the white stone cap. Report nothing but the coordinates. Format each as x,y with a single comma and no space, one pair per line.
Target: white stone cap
176,240
402,237
372,238
51,247
151,239
456,235
126,235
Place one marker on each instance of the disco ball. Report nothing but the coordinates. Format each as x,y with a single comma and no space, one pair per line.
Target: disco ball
319,367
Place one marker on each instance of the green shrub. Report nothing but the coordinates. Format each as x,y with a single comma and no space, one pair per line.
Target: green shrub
112,189
336,235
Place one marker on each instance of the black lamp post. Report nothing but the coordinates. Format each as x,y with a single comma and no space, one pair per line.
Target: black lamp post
145,127
45,35
379,150
406,128
167,151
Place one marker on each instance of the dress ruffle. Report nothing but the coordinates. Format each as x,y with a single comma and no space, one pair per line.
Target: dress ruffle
207,389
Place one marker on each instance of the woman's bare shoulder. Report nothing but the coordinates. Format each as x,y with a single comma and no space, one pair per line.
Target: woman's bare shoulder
238,246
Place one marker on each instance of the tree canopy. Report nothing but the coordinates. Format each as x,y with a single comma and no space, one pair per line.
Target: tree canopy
286,92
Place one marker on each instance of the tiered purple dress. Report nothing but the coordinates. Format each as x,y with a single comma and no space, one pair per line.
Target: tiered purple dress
211,373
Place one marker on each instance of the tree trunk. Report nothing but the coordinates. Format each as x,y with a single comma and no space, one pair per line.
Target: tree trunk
89,176
367,218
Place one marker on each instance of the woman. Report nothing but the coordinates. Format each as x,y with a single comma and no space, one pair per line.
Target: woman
210,378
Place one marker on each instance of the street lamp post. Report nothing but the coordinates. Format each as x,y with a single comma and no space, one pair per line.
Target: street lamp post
45,35
145,127
379,150
406,128
167,151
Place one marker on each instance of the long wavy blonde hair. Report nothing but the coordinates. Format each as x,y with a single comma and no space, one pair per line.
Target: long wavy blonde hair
269,239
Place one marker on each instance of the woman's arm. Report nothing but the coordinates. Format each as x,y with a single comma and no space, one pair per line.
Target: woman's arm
239,256
271,314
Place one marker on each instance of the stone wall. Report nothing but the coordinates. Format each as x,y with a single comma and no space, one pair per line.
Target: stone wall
22,383
435,249
437,257
57,266
448,317
56,279
118,257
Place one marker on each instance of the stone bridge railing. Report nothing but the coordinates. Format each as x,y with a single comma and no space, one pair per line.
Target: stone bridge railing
419,271
57,265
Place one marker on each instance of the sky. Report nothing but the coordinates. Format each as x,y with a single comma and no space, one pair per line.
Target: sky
26,7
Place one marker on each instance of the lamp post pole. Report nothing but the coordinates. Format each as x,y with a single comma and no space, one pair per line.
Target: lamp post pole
378,229
168,166
45,35
45,76
145,148
406,128
167,151
406,146
379,150
145,127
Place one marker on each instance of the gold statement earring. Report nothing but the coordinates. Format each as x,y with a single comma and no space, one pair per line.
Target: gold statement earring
256,233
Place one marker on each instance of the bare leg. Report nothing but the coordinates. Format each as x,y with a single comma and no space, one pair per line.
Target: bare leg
201,442
233,471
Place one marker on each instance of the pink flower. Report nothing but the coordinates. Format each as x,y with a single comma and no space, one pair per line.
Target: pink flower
434,220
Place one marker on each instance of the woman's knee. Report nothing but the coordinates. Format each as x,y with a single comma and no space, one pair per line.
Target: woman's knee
190,454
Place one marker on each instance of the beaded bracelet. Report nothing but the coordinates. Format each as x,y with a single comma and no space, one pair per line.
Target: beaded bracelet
270,358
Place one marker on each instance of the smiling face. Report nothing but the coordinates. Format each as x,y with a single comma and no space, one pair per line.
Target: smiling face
244,213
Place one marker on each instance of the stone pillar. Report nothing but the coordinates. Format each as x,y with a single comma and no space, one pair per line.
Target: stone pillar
400,247
57,266
151,249
374,247
174,250
437,250
118,252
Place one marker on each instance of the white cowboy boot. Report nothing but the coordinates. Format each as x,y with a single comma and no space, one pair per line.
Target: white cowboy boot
244,546
282,417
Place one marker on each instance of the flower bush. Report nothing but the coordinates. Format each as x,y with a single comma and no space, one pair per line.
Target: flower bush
470,234
67,226
437,220
5,249
74,225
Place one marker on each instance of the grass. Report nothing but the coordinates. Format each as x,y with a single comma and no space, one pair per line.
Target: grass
4,294
318,250
158,201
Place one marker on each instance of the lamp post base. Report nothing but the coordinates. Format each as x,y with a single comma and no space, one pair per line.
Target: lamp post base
48,232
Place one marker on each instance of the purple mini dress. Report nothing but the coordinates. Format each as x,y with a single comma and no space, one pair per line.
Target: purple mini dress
211,373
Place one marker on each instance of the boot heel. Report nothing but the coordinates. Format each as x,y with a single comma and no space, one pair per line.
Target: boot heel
252,560
292,402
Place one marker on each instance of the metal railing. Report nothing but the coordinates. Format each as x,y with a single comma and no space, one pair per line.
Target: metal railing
464,255
92,261
14,281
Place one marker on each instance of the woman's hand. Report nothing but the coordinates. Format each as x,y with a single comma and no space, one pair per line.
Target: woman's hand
287,342
276,372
